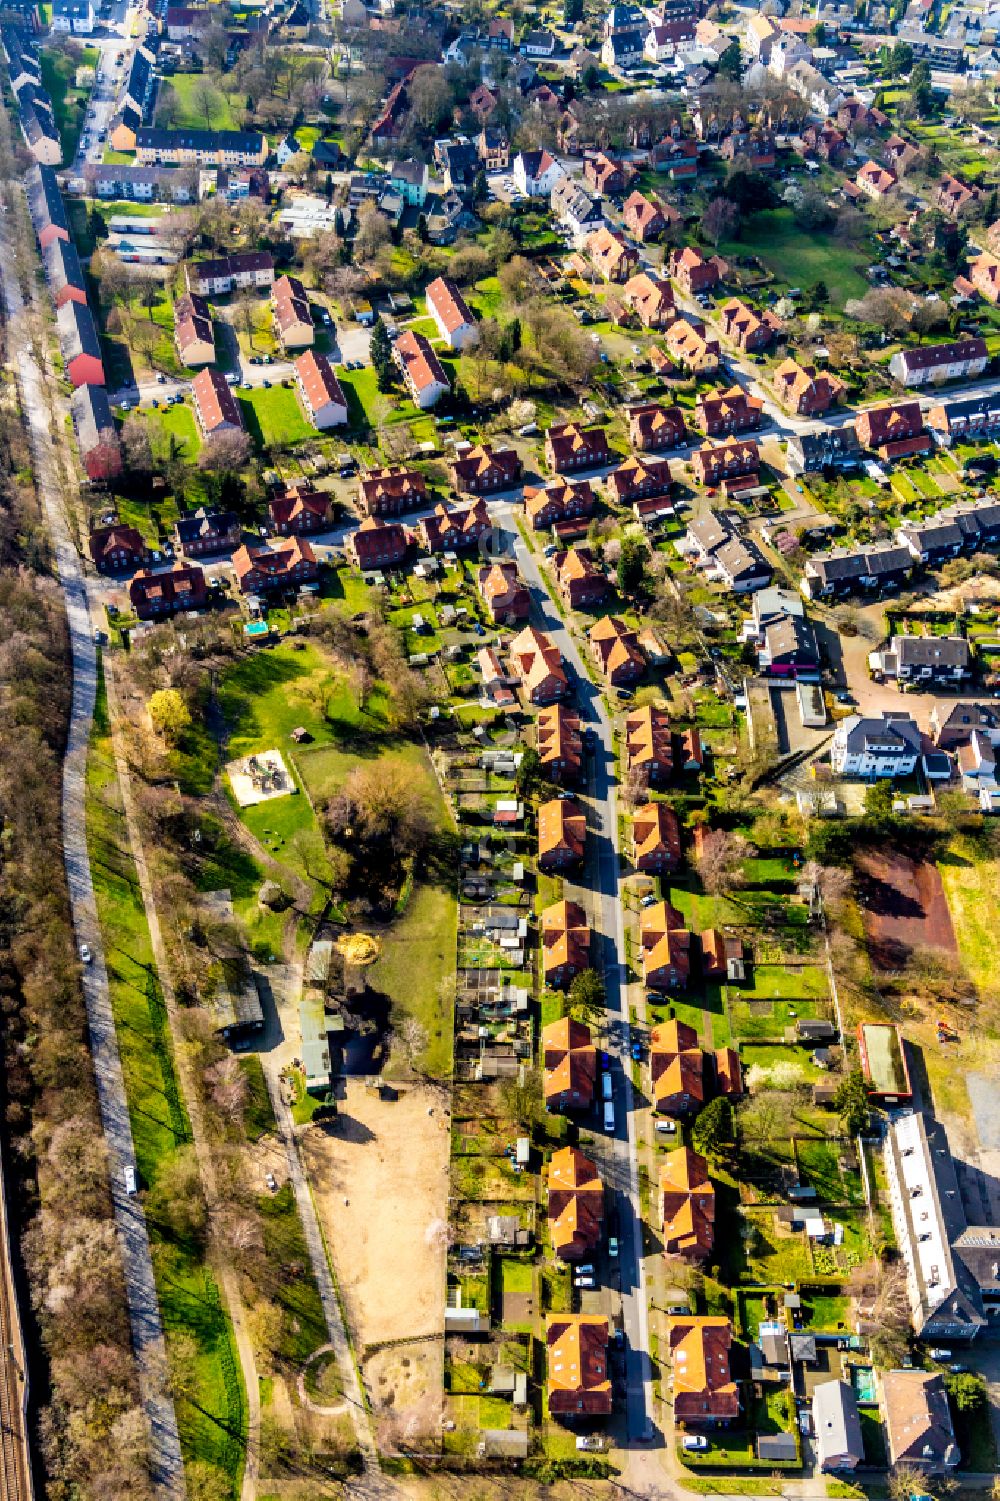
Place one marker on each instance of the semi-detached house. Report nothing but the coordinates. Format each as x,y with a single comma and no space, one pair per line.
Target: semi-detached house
215,405
923,661
846,570
376,544
320,391
456,324
968,526
871,748
962,360
421,369
260,570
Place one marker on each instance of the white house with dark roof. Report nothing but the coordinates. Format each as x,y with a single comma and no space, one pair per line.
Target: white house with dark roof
837,1426
888,747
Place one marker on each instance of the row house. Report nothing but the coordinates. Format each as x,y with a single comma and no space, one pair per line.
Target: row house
722,413
651,299
569,1064
563,505
202,148
456,324
568,446
737,460
653,427
639,479
536,663
202,533
748,330
656,839
579,1374
193,336
503,593
953,197
612,255
923,661
96,434
300,510
376,545
293,321
559,743
422,371
644,218
875,181
244,271
984,274
964,420
320,391
687,1205
482,470
45,205
695,273
263,570
450,530
692,346
63,272
79,344
967,527
666,961
607,176
615,648
894,430
848,570
155,596
215,405
391,490
562,835
565,944
963,359
649,745
580,582
805,390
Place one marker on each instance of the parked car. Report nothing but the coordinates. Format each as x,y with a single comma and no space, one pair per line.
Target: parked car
85,955
131,1186
584,1282
695,1443
613,1247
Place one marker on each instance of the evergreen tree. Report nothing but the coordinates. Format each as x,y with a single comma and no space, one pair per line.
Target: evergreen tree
381,353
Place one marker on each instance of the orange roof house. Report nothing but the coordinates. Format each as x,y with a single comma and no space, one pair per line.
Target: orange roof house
677,1066
561,504
704,1390
728,1073
691,345
666,947
538,666
612,254
875,181
651,299
505,596
562,834
643,217
984,274
649,744
717,949
687,1200
565,943
575,1204
559,744
581,583
569,1063
657,838
579,1383
615,649
803,389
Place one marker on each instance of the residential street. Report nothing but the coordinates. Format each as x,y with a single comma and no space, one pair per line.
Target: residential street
144,1313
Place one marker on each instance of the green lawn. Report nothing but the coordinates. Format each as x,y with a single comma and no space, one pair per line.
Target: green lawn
799,258
69,104
173,432
212,1415
971,881
418,952
274,418
199,106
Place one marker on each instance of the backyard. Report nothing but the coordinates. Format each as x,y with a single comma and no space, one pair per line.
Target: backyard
797,258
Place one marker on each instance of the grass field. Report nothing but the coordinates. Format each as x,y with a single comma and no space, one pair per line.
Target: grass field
198,105
274,418
212,1415
69,104
971,881
798,258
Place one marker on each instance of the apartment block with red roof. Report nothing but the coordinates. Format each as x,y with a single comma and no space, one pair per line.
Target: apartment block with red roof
687,1205
565,941
721,413
605,174
876,181
559,743
452,530
649,744
215,405
579,1381
562,834
536,663
653,427
560,504
575,1204
376,544
716,463
748,330
694,272
651,299
390,491
656,839
984,274
704,1391
569,1065
568,446
666,947
676,1062
321,392
300,509
482,470
894,430
581,583
615,648
805,390
260,569
504,593
154,596
456,323
117,547
639,479
644,217
612,255
421,369
293,321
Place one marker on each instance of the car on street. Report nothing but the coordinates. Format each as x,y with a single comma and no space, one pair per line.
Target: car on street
131,1186
584,1282
85,954
613,1247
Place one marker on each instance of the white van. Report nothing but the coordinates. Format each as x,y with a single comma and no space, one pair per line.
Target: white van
609,1117
607,1088
665,1128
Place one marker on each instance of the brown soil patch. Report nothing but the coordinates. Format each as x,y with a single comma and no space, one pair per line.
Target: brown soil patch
905,908
379,1172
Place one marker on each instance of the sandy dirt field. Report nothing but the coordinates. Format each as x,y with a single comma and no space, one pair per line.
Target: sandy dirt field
379,1172
905,908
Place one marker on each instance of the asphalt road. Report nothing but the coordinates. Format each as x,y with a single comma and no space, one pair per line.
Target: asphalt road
618,1159
144,1314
